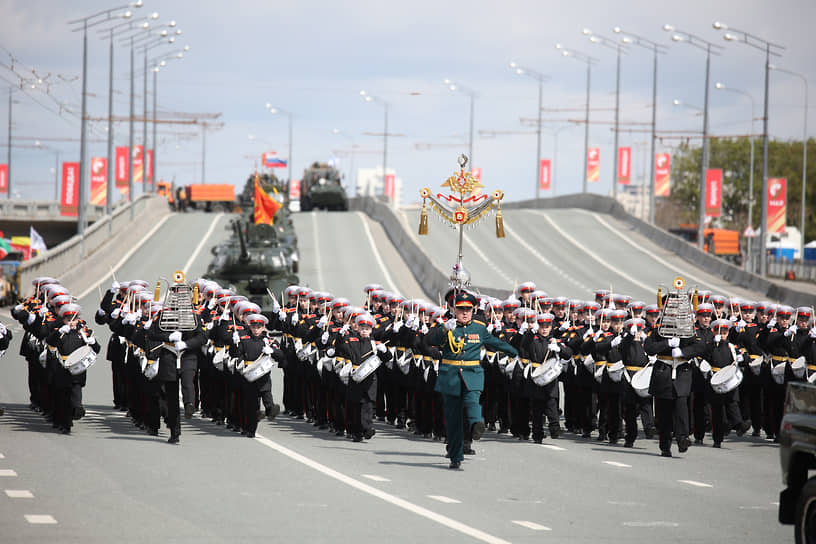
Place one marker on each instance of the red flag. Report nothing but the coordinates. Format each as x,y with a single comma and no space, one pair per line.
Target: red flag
624,165
593,164
544,178
122,166
713,199
265,206
70,188
3,178
389,185
777,204
662,174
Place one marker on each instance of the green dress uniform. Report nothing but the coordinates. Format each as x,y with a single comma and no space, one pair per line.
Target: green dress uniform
460,378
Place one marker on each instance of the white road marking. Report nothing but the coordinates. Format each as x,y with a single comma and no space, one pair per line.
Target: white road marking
650,524
2,456
7,472
554,448
318,262
550,266
695,483
592,255
626,503
126,256
382,495
40,519
616,464
754,507
531,525
442,498
390,282
19,493
376,478
201,243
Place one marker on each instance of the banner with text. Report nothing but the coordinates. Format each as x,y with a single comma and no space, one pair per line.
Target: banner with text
624,165
138,164
122,165
70,188
593,164
777,204
389,185
149,166
99,179
713,198
294,189
662,174
3,178
544,174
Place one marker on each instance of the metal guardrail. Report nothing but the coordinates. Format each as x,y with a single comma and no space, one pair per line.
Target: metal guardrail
33,210
803,271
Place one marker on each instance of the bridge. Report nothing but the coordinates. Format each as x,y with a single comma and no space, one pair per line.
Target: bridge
307,485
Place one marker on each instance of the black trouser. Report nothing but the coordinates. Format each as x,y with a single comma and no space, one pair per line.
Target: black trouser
542,407
188,386
34,370
751,403
699,414
520,415
672,416
119,380
571,413
171,399
63,410
249,392
724,405
360,415
633,407
611,408
775,407
584,409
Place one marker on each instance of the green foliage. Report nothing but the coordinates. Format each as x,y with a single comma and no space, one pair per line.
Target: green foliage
733,156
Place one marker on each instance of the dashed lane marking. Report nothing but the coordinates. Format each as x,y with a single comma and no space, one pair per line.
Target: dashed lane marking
40,519
531,525
550,266
201,243
7,472
648,524
616,464
442,498
376,252
382,495
376,478
554,448
695,483
19,494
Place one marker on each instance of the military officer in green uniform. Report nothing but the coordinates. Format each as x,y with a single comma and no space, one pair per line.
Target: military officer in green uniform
460,379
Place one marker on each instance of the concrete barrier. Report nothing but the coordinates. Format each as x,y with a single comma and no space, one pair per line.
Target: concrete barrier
77,261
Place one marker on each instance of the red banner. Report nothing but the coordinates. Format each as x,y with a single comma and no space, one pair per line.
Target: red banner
593,164
662,174
389,185
138,163
70,188
624,165
99,179
713,196
544,177
777,204
122,166
3,178
150,165
294,189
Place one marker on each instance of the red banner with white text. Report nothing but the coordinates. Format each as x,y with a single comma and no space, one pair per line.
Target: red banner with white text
593,164
138,164
122,166
662,174
149,165
389,185
70,188
713,196
3,178
99,180
777,204
624,165
544,174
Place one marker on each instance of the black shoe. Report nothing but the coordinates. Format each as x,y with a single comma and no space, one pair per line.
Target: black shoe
469,451
613,441
555,433
65,430
586,435
188,411
651,433
683,445
380,418
744,427
503,430
174,439
115,406
491,426
601,438
698,441
322,426
628,444
341,432
2,411
358,438
455,465
438,438
769,436
424,435
477,430
538,440
755,434
665,453
717,444
152,431
369,434
250,434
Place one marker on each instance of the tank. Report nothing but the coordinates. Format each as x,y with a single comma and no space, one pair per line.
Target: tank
321,188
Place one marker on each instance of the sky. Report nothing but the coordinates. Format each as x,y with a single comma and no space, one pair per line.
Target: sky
312,58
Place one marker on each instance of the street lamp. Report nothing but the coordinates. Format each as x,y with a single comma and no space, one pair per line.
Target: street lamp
722,87
763,45
453,86
709,48
655,48
338,132
371,98
541,78
87,22
804,152
589,62
179,55
618,47
274,111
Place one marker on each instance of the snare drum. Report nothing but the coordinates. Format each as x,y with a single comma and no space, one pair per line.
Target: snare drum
151,369
344,373
547,372
641,380
726,379
220,356
615,371
755,365
79,360
257,368
778,372
366,368
705,368
799,367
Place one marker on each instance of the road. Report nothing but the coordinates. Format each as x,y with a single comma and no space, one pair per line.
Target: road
108,481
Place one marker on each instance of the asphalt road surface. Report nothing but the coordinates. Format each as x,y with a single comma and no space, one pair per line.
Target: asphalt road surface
108,481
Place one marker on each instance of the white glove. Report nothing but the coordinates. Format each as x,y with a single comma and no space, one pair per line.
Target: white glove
3,330
129,319
589,332
282,315
31,318
740,358
90,340
674,342
181,345
633,330
741,324
424,328
324,338
792,329
677,352
224,315
498,326
489,328
65,329
772,323
211,304
115,313
450,324
275,307
18,308
138,314
812,333
330,352
717,338
534,328
554,347
397,326
415,325
564,325
114,286
175,336
523,327
381,348
268,350
322,322
598,334
616,341
100,312
294,319
43,309
344,330
149,322
410,321
733,318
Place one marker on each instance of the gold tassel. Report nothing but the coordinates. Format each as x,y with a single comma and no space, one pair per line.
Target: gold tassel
423,220
660,298
695,300
157,292
195,295
499,224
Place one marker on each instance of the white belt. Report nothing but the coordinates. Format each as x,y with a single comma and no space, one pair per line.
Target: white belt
675,363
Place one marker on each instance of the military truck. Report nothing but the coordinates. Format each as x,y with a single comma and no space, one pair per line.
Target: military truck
797,454
322,188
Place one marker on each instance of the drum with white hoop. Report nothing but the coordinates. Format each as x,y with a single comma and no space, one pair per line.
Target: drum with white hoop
726,379
705,368
589,364
511,366
151,369
615,371
547,372
404,360
778,372
344,373
79,360
641,380
220,356
366,368
259,367
755,365
600,366
799,367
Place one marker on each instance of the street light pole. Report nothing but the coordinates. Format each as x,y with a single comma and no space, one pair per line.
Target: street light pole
111,166
130,133
8,151
541,78
461,88
371,98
